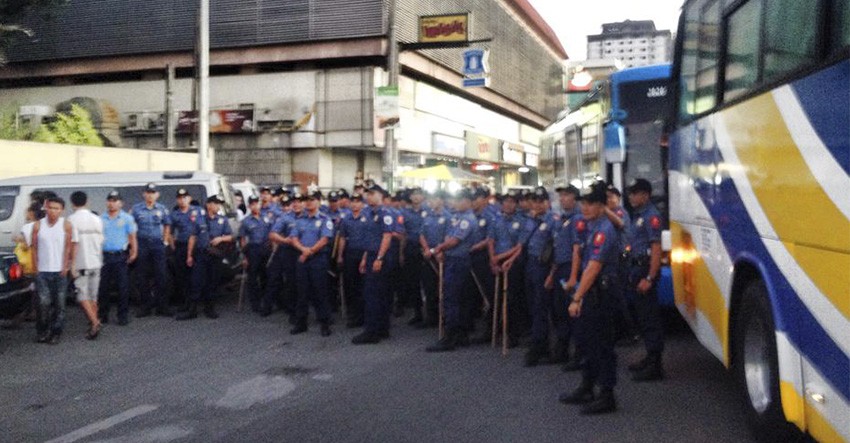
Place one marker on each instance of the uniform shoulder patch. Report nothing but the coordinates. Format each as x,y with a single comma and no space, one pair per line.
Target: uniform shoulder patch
329,224
464,224
599,239
441,220
543,226
482,222
401,219
515,225
581,226
318,223
388,220
655,222
424,214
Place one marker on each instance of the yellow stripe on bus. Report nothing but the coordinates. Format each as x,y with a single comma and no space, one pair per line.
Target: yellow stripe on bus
793,404
797,207
805,416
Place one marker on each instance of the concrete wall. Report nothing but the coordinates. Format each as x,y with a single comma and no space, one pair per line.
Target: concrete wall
29,158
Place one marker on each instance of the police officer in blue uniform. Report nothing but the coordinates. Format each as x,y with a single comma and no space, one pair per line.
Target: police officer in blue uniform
184,218
626,325
120,248
454,252
414,215
377,268
254,235
213,236
268,205
505,250
563,237
432,233
644,270
482,278
537,268
352,246
311,236
593,306
337,214
153,221
281,289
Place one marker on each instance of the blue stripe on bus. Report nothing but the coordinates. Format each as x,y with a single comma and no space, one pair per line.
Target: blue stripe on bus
740,236
825,98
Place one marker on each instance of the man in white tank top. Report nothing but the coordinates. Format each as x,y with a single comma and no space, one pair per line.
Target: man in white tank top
51,253
87,253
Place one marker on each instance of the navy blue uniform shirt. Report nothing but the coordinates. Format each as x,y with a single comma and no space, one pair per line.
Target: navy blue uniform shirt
645,229
434,227
255,229
183,223
150,221
463,228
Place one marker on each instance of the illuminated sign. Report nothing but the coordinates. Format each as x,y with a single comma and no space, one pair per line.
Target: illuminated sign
444,28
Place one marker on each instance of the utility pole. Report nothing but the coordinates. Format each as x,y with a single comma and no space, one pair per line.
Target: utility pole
390,151
204,86
170,117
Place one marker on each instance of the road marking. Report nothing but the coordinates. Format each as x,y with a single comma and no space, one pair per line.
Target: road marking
104,424
260,389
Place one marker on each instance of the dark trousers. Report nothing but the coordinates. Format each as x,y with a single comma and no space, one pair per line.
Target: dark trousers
377,295
561,303
410,275
353,283
648,311
257,255
114,275
430,278
539,300
276,272
150,267
290,286
51,287
480,266
595,334
455,280
518,321
182,274
312,280
206,278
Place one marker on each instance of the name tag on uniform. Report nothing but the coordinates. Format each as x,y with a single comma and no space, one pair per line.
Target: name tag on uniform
482,222
639,222
515,225
363,219
318,223
542,226
441,220
424,214
464,224
221,221
158,213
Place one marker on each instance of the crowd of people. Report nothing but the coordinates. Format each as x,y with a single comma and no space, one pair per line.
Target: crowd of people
571,278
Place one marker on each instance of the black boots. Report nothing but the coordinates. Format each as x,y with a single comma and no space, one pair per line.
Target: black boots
603,404
648,369
190,313
535,353
448,343
209,311
583,394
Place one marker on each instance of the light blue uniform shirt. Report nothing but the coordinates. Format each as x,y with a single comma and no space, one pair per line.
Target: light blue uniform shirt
116,230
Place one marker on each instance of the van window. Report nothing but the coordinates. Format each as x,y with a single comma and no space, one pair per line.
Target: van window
7,201
167,194
96,196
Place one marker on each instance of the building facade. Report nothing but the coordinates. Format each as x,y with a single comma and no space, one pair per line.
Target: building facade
293,83
635,43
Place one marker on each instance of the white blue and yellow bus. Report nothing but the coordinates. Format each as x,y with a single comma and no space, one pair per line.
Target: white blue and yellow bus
615,135
760,203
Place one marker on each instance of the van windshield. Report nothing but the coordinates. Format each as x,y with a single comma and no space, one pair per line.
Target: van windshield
7,201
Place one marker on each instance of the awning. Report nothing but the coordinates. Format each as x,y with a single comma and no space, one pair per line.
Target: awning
444,173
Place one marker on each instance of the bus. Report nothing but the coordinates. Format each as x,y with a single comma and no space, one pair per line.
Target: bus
615,134
760,203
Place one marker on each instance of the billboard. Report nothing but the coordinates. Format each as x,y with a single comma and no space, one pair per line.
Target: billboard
444,28
386,107
222,121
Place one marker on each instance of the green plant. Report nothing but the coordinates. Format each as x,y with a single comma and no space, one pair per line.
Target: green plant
74,128
10,127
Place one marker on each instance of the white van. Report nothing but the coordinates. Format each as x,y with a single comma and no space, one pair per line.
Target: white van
15,193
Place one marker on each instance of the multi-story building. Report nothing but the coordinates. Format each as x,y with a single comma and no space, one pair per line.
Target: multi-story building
635,43
293,83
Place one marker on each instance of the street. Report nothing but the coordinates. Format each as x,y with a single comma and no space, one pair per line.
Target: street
243,378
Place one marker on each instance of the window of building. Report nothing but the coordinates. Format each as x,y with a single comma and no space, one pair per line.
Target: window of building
790,38
742,49
840,38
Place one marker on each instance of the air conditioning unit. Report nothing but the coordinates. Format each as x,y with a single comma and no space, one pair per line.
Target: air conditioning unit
34,115
145,122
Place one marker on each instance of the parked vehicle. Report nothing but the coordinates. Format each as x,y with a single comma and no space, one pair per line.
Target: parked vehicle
16,289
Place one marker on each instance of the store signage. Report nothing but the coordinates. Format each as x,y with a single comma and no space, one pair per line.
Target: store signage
476,68
442,144
512,153
481,147
222,121
386,107
444,28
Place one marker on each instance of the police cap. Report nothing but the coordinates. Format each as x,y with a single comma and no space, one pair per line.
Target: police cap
358,197
376,188
511,194
253,199
150,187
343,193
333,196
640,185
596,194
540,193
114,195
215,199
182,193
568,189
613,189
466,193
265,189
481,192
315,195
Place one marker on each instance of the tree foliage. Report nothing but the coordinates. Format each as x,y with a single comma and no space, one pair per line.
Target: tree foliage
74,128
10,127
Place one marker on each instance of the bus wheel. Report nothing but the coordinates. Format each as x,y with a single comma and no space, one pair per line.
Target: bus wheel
756,366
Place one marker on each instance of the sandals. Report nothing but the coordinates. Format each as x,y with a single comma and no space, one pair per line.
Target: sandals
93,332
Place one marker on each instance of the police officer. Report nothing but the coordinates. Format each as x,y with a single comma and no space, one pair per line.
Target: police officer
154,232
377,268
563,237
213,235
454,252
414,215
483,278
505,251
593,305
269,206
254,235
337,214
280,269
184,217
432,233
626,325
311,236
119,250
537,268
644,269
351,249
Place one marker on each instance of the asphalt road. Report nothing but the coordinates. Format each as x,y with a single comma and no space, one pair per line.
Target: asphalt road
243,378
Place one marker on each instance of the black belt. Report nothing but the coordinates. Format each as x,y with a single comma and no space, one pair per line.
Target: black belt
113,252
642,260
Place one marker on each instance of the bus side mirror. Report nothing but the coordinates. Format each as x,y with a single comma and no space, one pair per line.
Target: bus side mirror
615,142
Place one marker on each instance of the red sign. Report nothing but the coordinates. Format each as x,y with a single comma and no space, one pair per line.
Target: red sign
225,121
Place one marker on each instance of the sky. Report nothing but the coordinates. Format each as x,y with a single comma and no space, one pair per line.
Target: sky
574,20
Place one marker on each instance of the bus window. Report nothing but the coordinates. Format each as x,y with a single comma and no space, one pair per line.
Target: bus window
572,156
742,50
840,25
590,165
559,158
790,38
709,43
687,88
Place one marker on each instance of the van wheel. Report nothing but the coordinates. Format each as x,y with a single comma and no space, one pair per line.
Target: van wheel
756,366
